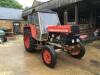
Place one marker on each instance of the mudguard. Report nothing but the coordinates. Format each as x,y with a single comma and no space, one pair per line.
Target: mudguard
32,28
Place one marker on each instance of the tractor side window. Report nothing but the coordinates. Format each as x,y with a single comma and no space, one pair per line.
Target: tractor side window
35,19
29,19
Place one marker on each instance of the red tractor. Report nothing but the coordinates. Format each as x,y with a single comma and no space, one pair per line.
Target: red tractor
45,33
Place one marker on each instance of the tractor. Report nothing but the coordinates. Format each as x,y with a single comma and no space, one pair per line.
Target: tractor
44,32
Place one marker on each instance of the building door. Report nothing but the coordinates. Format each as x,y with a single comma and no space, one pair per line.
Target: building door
16,27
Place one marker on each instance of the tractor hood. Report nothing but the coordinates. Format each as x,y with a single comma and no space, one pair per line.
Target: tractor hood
64,29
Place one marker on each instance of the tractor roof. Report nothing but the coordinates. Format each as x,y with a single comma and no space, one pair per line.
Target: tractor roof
45,11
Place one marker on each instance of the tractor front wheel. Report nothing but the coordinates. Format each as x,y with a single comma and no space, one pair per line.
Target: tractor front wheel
77,52
49,56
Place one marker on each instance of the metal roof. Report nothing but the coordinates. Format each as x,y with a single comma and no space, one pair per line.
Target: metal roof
52,4
35,3
10,13
55,4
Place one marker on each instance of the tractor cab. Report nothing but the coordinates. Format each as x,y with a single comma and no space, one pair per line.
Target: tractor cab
41,20
46,22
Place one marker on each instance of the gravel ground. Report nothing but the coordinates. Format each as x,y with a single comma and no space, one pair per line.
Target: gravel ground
14,60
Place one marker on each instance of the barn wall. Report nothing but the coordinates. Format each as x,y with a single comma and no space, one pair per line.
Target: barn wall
22,25
8,24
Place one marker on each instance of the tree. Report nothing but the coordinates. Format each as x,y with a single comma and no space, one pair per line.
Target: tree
10,4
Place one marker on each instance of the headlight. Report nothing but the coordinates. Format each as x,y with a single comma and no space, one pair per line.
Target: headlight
53,35
73,41
78,40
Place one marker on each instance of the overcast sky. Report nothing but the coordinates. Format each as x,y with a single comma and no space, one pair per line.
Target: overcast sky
28,3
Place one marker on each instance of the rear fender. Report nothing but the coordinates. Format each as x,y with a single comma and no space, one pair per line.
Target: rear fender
32,28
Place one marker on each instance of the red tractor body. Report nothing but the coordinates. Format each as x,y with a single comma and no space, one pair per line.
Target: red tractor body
45,33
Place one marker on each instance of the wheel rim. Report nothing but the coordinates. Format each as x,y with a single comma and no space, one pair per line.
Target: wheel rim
75,51
47,56
27,41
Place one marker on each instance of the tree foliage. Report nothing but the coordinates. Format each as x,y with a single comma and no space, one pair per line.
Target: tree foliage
10,4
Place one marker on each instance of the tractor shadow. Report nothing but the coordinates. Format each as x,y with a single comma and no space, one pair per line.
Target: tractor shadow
90,65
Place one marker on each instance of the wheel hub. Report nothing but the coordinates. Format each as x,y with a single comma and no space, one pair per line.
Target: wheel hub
47,56
75,50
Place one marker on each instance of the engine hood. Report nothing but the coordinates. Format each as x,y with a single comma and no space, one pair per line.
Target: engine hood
60,28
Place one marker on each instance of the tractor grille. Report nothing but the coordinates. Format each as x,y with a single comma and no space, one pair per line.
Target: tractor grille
75,29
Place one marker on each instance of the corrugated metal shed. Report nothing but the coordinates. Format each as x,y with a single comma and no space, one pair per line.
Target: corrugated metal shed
10,13
55,4
52,4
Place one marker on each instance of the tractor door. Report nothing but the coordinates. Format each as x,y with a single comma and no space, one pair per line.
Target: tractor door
36,23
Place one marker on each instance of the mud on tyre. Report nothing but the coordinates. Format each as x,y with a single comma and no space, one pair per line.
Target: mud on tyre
29,42
49,56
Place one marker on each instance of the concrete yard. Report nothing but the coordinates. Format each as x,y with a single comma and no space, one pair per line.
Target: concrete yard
14,60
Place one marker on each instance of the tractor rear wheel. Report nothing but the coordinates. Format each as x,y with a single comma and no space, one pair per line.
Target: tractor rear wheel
49,56
78,52
29,42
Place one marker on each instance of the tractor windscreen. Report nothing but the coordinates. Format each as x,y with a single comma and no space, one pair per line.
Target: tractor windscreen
48,19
